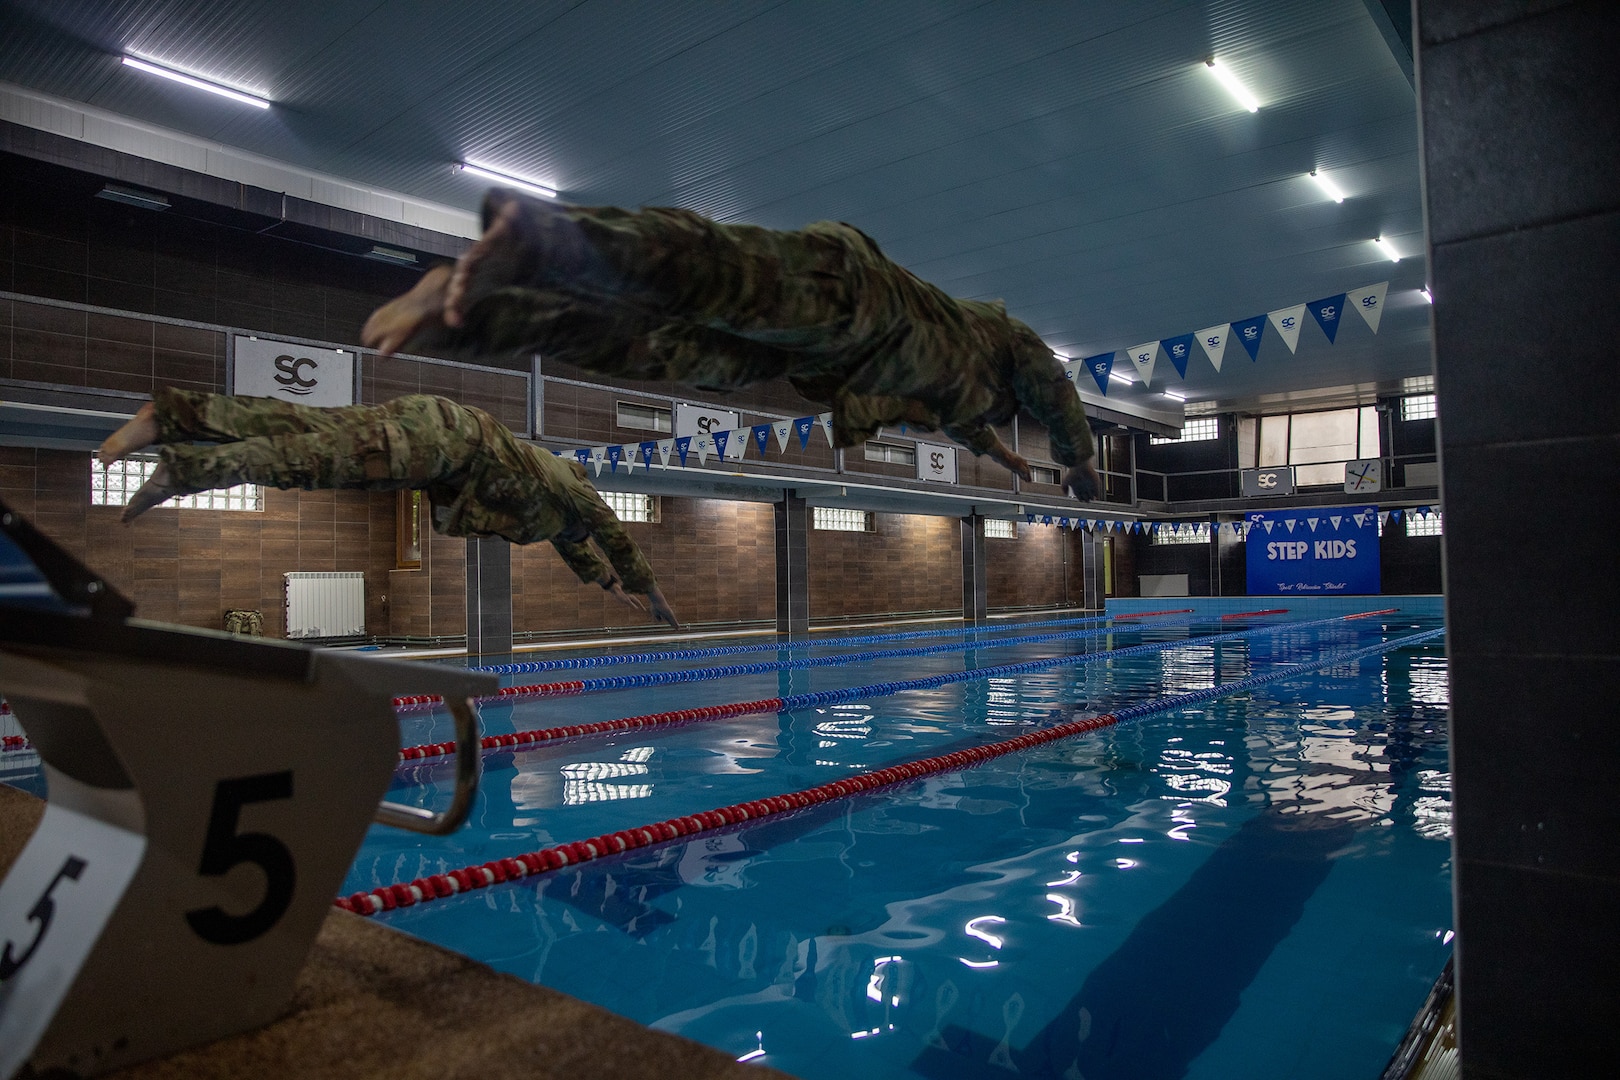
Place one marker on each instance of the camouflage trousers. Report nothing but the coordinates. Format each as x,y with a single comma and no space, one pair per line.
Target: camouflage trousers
405,443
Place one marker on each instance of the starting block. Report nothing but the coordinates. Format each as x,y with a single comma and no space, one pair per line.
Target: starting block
207,794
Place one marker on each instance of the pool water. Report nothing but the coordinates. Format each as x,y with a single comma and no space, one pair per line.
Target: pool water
1257,886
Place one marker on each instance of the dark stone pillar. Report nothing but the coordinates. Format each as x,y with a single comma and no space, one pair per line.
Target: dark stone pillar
1521,151
489,595
975,587
1091,552
792,566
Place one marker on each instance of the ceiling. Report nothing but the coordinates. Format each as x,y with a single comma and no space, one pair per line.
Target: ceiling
1075,159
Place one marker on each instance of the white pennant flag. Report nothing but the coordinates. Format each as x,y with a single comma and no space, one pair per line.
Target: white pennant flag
825,420
1287,322
702,443
1312,523
741,437
1144,356
598,458
1336,518
1290,524
783,429
1213,340
665,448
1383,518
1268,525
629,460
1361,519
1368,301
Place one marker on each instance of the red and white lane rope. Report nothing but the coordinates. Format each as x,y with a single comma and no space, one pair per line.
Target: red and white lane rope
517,867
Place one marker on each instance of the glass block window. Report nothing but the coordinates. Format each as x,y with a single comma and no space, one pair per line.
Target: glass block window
1193,532
890,453
113,487
838,519
1193,429
644,417
1418,407
996,529
632,507
1427,525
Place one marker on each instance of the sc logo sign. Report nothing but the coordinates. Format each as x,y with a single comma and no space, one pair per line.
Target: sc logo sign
936,461
291,375
1267,479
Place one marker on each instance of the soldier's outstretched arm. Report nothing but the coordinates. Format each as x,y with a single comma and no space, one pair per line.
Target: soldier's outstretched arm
419,311
1043,390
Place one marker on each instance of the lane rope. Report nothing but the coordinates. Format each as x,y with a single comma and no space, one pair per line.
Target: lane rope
517,867
829,697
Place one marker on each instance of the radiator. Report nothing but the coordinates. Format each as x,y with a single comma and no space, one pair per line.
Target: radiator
325,605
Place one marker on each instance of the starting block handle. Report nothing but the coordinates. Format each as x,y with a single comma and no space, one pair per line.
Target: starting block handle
469,766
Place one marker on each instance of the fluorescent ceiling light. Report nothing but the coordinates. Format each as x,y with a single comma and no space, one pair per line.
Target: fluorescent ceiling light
200,84
1426,294
1173,396
1117,377
507,178
1388,249
1327,186
391,255
1224,76
146,200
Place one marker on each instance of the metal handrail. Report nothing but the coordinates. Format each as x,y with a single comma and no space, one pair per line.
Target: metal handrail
469,767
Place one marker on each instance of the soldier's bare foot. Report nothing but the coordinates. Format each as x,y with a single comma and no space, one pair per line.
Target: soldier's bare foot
494,261
403,317
139,432
158,489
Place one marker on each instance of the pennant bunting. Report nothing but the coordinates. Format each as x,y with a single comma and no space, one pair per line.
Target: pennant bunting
825,420
682,446
1179,350
1248,333
1143,357
1326,312
1268,523
614,454
783,429
598,458
1213,339
1287,321
1290,524
739,444
647,449
721,439
1335,519
1312,523
803,425
1101,367
702,445
584,456
1368,301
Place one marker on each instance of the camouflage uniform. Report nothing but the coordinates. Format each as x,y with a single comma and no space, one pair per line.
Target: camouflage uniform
479,479
669,294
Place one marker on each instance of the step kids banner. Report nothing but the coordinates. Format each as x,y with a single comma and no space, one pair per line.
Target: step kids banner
1284,325
1333,550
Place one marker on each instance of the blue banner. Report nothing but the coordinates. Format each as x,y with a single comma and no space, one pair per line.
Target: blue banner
1249,332
1100,366
1326,551
1178,349
1326,312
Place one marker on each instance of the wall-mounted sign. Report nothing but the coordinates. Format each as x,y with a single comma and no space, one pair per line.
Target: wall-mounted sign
935,462
1274,481
1364,476
1330,550
704,420
262,367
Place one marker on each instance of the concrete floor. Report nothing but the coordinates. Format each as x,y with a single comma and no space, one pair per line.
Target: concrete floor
371,1002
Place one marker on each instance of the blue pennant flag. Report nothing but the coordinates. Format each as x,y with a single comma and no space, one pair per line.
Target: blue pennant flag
1249,332
1178,349
682,445
584,456
1394,515
804,425
647,449
1326,312
1100,367
615,454
762,437
720,440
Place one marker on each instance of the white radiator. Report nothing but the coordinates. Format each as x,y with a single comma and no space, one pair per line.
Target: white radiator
325,605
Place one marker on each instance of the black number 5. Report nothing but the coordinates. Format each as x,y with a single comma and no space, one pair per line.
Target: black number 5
42,911
225,848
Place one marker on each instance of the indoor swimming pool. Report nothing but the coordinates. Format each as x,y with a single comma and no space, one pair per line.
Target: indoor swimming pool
1247,875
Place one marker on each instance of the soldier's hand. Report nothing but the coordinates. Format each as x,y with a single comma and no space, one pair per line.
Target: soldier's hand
399,320
1082,481
660,608
614,587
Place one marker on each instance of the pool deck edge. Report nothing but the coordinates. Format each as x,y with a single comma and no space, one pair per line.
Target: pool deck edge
373,1002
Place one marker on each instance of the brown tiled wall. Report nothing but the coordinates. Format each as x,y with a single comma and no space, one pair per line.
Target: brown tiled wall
41,343
1040,567
909,563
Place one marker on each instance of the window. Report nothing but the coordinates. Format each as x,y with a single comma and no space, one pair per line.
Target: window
113,486
1418,407
840,520
1193,429
632,507
1040,474
645,417
894,455
997,529
1427,525
1186,532
1318,444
